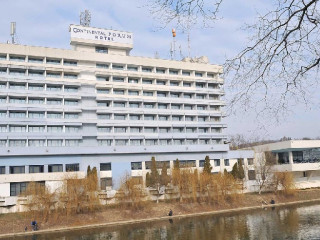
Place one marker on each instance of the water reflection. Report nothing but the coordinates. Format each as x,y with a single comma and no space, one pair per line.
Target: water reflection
281,223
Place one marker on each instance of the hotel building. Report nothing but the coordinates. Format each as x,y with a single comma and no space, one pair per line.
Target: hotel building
62,110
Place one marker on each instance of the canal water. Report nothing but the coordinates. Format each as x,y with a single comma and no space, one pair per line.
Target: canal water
276,224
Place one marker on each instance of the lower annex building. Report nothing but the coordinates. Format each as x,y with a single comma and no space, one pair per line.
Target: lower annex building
62,110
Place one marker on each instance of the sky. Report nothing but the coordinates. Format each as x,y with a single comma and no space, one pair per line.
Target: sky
45,23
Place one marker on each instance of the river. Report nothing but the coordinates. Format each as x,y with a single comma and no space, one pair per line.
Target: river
279,223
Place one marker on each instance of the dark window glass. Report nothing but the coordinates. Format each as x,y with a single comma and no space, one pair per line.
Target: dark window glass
105,166
250,161
105,182
159,164
283,157
17,188
136,165
187,163
226,162
201,163
55,168
2,170
101,50
17,169
72,167
36,169
251,175
217,162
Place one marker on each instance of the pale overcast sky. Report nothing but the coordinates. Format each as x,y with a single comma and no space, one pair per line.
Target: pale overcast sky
46,22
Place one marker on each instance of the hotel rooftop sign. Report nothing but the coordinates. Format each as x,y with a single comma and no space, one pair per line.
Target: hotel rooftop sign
99,34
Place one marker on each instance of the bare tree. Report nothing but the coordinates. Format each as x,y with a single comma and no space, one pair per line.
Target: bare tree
279,66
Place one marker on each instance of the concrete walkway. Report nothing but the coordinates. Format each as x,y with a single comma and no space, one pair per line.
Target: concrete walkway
120,223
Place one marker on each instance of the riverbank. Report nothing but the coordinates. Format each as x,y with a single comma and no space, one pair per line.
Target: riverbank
14,224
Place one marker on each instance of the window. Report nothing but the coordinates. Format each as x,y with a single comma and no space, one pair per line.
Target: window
101,50
149,105
173,72
17,72
70,75
36,129
3,128
144,81
164,142
226,162
133,80
161,82
105,182
3,57
102,78
53,74
190,130
198,74
71,102
3,85
135,142
103,116
187,163
187,95
36,143
250,161
70,89
164,130
133,93
54,129
102,104
151,142
17,188
200,85
203,130
120,117
54,101
201,163
200,96
70,63
187,107
53,88
163,118
55,115
105,166
191,141
55,168
118,79
177,130
72,167
146,69
3,70
251,175
120,129
201,119
104,129
174,95
73,129
2,170
17,114
72,142
201,107
162,71
17,58
189,118
149,94
178,141
121,142
204,141
174,83
185,73
134,117
36,87
118,92
36,169
175,106
35,73
135,129
132,68
134,105
136,165
149,130
3,114
17,100
162,106
161,94
176,118
17,169
103,91
186,84
54,143
105,142
53,61
18,86
210,75
216,162
149,117
119,104
3,143
102,65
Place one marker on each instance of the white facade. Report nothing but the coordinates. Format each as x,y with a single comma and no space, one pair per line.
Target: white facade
62,110
301,157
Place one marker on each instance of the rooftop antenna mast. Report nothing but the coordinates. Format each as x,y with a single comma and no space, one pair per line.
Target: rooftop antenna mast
173,44
13,32
85,18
